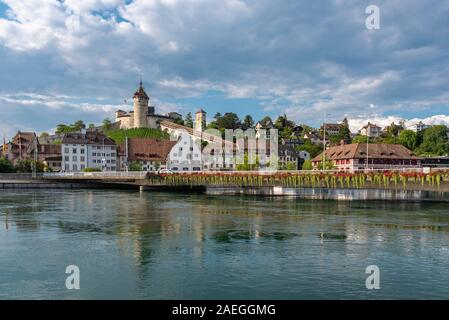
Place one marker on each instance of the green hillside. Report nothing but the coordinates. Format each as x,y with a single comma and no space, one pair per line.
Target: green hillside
119,135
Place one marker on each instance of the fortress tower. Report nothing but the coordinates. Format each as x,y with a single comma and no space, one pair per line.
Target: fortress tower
141,101
200,120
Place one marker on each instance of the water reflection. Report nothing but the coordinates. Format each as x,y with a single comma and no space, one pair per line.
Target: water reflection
169,242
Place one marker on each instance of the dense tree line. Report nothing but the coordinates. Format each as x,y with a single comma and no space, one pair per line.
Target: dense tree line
22,166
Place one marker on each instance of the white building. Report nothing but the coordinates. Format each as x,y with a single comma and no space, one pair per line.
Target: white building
185,155
420,126
90,149
371,130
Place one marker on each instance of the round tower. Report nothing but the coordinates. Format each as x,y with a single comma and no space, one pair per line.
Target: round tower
141,101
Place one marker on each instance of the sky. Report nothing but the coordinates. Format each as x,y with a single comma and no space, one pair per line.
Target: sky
65,60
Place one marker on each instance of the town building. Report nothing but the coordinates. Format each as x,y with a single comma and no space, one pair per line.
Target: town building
418,127
371,130
143,115
44,150
16,149
91,149
217,161
264,126
150,154
332,129
435,162
290,157
350,157
314,138
185,155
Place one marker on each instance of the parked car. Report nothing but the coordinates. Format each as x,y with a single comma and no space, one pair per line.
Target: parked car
165,171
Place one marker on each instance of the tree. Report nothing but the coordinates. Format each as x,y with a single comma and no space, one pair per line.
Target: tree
246,166
307,165
135,166
408,139
6,166
78,125
107,124
91,170
266,121
63,128
248,121
435,141
361,139
344,133
91,126
26,166
229,120
179,121
44,135
312,149
189,122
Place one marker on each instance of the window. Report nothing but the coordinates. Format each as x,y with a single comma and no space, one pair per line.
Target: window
74,150
66,150
66,158
75,167
67,167
82,151
75,158
94,154
185,169
113,155
82,167
82,159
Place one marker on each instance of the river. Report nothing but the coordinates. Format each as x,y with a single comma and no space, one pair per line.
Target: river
131,245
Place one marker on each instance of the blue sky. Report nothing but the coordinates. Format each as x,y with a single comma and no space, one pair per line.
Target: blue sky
65,60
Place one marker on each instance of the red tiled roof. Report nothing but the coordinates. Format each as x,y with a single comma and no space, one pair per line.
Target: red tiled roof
90,137
358,151
145,149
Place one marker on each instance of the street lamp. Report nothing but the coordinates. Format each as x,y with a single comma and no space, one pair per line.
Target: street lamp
367,141
324,139
103,160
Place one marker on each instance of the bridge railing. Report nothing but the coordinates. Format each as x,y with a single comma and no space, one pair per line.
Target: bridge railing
20,176
97,175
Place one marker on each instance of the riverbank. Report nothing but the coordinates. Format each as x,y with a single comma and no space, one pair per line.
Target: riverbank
334,194
48,185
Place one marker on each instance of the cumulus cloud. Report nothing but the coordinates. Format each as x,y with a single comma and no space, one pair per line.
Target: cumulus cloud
304,58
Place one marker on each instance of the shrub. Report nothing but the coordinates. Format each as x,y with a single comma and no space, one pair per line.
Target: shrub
91,170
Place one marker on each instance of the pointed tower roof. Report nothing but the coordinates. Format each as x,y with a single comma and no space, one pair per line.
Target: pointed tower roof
141,92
